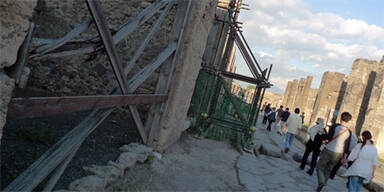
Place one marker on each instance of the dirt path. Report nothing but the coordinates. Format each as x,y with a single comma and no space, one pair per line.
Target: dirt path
191,165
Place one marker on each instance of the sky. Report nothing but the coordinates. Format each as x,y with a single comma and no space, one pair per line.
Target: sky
309,37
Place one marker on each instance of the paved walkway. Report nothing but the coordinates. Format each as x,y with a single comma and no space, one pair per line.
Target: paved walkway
265,173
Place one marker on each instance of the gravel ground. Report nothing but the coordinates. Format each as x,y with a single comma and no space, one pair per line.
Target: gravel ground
190,165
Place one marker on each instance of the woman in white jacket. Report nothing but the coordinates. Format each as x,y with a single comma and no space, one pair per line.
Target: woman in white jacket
362,170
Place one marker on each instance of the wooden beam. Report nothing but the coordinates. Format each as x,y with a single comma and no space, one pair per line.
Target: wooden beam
42,106
56,154
230,96
127,28
246,56
103,30
149,36
59,42
241,77
22,56
142,75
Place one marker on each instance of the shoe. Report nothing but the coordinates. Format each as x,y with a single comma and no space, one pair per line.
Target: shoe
286,150
310,172
302,167
320,188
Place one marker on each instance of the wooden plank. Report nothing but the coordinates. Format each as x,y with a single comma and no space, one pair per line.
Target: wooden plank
127,28
142,75
149,36
241,77
136,117
106,37
43,106
55,155
220,48
57,43
143,16
182,17
246,56
22,56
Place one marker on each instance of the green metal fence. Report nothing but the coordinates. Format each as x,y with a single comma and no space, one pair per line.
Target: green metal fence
218,113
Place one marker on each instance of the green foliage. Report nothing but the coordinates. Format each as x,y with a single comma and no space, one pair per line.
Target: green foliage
149,159
250,87
41,134
381,161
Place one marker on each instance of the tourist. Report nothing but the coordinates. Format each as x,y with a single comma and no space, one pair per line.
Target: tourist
284,118
293,125
302,117
271,118
313,145
334,149
279,112
362,170
267,109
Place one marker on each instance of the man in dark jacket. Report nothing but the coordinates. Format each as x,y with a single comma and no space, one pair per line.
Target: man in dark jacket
284,118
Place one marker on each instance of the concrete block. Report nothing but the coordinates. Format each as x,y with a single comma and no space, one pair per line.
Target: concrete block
108,173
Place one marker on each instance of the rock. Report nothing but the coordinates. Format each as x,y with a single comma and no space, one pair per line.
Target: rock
6,86
270,150
136,148
88,183
127,159
108,173
157,155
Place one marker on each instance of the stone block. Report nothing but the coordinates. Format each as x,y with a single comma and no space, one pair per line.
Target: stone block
88,183
136,148
127,159
108,173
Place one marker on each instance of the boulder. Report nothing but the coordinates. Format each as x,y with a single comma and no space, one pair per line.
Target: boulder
108,173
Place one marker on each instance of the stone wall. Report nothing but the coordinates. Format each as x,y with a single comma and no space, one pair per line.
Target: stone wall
274,99
186,73
14,24
328,93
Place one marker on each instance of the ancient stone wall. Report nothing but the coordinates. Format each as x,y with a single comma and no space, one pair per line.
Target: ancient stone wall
292,95
274,99
14,24
287,92
186,73
309,103
364,99
331,83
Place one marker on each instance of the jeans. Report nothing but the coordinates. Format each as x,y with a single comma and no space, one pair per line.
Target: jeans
328,159
289,137
355,183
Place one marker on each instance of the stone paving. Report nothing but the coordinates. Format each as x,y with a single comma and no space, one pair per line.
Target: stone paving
265,173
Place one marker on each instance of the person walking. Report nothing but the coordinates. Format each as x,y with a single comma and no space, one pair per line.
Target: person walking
363,168
334,150
313,145
271,118
293,125
267,109
279,112
284,118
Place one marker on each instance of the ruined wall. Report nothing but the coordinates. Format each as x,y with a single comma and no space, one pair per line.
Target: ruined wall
364,99
181,92
292,95
310,102
331,83
14,24
288,90
274,99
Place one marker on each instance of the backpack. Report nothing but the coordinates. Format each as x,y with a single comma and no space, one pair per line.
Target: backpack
272,116
331,134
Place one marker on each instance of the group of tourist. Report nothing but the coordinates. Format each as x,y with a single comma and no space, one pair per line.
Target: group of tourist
341,146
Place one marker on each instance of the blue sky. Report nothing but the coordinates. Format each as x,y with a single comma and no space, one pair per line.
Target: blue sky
309,37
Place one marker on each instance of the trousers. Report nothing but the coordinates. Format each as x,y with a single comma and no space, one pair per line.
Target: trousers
328,159
310,147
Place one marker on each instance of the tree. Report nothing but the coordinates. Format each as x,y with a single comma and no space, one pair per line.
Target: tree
250,87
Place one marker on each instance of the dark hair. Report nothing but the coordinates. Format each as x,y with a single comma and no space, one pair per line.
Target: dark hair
345,116
366,135
297,110
287,109
274,108
281,107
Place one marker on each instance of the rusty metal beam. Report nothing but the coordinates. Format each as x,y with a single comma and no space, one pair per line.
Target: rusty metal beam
43,106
